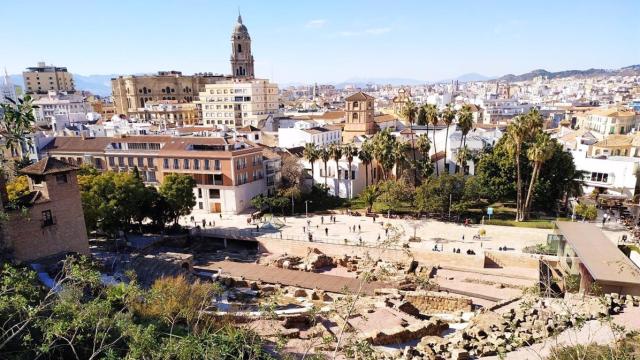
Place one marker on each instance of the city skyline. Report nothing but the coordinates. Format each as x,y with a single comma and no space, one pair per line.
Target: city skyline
337,43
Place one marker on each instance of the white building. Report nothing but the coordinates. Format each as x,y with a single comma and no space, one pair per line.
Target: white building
350,183
239,102
120,126
59,110
476,141
301,135
615,174
500,111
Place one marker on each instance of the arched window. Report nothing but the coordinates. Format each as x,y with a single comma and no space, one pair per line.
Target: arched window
239,48
355,116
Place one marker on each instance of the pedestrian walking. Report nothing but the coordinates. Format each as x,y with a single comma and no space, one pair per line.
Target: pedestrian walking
386,232
257,228
378,237
322,220
359,228
326,231
204,223
304,229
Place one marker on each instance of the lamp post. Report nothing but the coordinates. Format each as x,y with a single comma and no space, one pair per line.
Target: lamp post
306,207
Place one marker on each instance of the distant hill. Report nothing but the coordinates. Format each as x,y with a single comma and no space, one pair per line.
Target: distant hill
628,70
97,84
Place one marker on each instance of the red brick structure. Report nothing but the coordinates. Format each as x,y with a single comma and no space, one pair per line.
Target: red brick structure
49,219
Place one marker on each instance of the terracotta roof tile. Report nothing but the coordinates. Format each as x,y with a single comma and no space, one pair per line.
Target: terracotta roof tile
359,96
47,166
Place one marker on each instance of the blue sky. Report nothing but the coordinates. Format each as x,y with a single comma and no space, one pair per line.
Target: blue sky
323,41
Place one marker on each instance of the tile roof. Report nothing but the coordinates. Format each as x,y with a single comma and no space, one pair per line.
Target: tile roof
612,112
330,115
47,166
359,96
248,128
614,140
384,118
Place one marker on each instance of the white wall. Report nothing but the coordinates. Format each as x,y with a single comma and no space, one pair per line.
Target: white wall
621,172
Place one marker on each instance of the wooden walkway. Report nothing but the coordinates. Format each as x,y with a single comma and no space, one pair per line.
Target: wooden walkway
302,279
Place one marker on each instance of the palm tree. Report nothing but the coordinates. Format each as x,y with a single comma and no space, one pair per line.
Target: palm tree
336,154
424,145
541,151
325,156
366,157
399,156
432,117
409,112
312,154
465,122
369,196
350,152
383,144
516,134
447,115
462,156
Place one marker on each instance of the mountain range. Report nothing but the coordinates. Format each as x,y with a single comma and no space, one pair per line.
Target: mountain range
101,84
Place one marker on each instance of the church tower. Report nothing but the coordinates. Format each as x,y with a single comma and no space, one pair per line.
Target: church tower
241,58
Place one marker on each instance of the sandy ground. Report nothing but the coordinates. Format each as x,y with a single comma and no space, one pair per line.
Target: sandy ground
447,235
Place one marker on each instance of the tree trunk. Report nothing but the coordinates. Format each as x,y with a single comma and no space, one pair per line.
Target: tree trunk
366,175
312,174
435,151
415,168
350,192
518,186
460,149
534,178
325,174
446,140
337,189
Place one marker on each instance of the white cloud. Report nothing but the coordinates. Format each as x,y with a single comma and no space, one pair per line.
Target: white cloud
317,23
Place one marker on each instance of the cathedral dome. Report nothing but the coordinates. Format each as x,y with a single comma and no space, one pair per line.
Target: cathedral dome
240,28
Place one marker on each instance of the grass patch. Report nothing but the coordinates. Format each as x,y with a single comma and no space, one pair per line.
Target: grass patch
535,224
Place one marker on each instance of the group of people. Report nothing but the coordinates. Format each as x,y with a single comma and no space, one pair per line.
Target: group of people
212,223
469,251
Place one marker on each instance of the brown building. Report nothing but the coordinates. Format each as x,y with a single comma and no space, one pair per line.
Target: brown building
131,93
44,78
169,112
359,116
228,172
54,221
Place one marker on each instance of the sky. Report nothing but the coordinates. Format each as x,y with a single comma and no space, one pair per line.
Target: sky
326,41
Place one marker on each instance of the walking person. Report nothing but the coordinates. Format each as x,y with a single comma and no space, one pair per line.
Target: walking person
326,231
359,228
322,220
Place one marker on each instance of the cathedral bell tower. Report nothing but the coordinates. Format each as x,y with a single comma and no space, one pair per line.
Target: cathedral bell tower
241,58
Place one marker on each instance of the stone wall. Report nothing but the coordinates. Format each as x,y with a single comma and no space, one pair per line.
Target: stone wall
513,259
428,302
301,248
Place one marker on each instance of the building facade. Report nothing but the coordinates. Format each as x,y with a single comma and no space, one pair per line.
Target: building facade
611,121
169,112
321,136
61,109
239,102
359,116
54,223
228,172
131,93
44,78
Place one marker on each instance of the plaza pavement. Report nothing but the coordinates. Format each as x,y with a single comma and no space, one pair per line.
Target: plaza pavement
447,235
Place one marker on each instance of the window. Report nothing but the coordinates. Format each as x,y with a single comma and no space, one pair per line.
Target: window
199,193
176,164
61,178
112,161
214,193
130,161
200,205
98,164
47,218
599,177
150,162
206,164
196,164
120,160
165,163
186,163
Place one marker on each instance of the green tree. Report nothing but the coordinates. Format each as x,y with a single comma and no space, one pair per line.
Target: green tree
312,155
434,195
17,122
541,151
447,116
399,153
422,117
336,154
409,111
369,196
350,153
383,145
394,193
178,190
325,156
366,157
431,112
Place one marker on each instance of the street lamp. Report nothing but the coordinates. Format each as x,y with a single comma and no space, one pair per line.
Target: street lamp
306,207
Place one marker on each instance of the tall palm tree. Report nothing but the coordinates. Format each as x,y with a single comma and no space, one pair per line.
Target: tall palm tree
424,145
336,154
516,134
465,123
409,113
325,156
462,156
432,117
366,156
383,144
312,154
350,152
399,156
447,116
541,151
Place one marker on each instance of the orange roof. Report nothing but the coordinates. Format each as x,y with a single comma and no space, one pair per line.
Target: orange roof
359,96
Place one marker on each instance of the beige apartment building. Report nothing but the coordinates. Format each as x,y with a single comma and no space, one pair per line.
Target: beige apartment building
169,112
238,102
44,78
610,121
359,113
228,172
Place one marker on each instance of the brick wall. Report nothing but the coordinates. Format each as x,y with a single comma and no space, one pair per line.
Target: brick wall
428,302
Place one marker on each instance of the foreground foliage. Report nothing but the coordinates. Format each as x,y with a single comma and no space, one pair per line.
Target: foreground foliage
83,319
